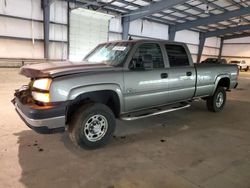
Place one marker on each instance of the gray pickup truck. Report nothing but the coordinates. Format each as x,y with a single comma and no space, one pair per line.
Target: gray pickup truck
123,79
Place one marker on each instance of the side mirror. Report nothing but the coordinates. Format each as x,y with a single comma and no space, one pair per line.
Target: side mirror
147,61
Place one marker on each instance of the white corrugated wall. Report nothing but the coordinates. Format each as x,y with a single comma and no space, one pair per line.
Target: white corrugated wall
237,49
24,38
146,29
87,30
21,29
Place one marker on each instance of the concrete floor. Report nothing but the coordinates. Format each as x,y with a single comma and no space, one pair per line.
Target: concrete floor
188,148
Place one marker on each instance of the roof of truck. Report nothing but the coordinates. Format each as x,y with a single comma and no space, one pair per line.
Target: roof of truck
143,40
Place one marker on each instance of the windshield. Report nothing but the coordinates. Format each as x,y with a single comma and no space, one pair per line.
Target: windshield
112,54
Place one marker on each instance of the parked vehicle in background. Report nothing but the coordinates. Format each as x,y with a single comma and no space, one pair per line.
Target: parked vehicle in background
214,61
242,65
126,80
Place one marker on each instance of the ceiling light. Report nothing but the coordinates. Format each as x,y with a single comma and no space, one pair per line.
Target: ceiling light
240,21
207,10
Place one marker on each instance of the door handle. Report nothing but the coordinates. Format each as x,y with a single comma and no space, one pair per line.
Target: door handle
164,75
189,73
129,90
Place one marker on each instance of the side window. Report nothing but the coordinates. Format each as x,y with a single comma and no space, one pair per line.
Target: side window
149,55
177,55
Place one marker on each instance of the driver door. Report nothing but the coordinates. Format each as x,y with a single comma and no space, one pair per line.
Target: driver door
146,82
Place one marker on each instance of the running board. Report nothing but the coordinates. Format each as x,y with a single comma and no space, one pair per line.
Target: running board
131,118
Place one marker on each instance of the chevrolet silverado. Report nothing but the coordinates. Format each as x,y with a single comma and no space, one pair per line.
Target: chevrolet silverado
123,79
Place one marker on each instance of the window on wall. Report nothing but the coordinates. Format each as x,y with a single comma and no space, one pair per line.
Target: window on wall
177,55
150,51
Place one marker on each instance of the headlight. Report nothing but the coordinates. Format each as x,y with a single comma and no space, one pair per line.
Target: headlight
42,84
42,97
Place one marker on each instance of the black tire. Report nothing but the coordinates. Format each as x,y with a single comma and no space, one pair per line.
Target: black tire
85,118
247,69
213,103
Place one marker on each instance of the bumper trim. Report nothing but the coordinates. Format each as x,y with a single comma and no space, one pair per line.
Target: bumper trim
46,125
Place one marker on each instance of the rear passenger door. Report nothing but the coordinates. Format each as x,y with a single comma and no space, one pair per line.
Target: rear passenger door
145,86
181,74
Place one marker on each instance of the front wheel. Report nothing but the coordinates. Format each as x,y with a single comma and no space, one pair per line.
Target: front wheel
92,126
217,102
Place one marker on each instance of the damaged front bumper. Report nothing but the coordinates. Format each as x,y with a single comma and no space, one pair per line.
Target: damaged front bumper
42,119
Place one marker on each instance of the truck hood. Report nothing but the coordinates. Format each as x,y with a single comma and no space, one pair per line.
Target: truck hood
55,69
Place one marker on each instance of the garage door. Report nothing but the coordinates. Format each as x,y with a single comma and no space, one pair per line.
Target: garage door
87,29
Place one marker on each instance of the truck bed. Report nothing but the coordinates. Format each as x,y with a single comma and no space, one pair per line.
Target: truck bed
207,75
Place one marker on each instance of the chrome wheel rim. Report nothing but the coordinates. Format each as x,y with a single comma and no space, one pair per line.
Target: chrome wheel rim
95,128
219,100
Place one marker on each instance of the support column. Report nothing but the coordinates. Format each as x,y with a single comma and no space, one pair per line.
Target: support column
221,47
202,39
125,28
68,30
171,33
46,22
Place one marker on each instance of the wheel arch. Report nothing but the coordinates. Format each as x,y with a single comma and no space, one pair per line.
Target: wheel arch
222,81
110,96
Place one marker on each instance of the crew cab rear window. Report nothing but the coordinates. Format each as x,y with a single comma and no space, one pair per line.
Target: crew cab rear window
177,55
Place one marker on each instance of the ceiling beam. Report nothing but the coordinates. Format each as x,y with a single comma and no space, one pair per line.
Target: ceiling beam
152,8
83,3
213,5
237,36
212,19
228,30
165,14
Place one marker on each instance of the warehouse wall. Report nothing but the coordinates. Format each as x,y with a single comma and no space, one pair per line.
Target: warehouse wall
21,31
211,48
192,41
237,49
151,30
87,30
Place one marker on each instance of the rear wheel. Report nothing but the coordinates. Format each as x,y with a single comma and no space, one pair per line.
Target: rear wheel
92,126
217,102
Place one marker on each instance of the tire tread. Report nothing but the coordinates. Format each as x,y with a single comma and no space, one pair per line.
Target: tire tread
76,123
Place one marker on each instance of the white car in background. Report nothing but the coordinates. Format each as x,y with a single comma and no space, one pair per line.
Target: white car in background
242,65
